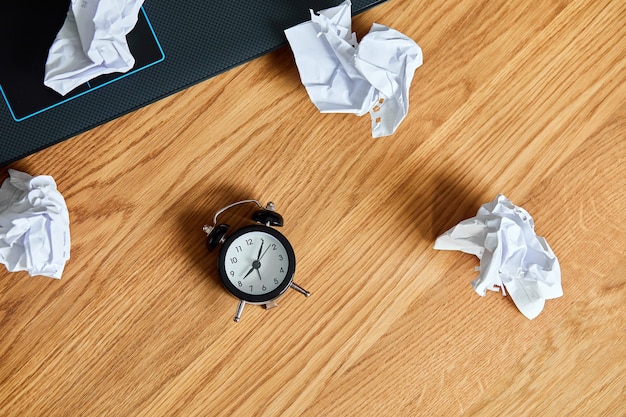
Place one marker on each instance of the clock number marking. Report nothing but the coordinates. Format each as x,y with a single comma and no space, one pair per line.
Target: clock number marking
247,256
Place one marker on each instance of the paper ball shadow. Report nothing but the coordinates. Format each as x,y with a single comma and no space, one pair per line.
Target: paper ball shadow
439,204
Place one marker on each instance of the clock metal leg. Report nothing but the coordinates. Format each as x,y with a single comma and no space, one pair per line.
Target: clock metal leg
300,289
240,307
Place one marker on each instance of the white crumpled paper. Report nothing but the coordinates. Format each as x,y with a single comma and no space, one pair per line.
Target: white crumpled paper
34,225
343,76
511,255
91,42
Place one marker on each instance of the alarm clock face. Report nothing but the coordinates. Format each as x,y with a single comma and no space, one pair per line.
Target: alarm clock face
256,264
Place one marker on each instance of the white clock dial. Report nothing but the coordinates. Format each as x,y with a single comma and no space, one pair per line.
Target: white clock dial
256,263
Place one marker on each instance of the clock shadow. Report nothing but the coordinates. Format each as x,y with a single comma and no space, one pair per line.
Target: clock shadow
198,210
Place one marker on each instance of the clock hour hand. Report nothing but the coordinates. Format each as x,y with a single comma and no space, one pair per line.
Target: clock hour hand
248,273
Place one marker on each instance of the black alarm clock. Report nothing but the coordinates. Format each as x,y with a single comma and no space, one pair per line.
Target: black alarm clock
256,263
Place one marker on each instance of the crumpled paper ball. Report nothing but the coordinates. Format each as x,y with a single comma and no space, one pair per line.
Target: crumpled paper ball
512,257
34,225
344,76
91,42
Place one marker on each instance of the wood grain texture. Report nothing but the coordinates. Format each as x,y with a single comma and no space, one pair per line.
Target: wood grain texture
522,99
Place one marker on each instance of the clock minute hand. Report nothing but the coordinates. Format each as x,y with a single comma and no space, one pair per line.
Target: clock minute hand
258,257
255,264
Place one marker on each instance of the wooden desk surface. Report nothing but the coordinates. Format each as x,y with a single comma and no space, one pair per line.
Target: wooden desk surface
526,100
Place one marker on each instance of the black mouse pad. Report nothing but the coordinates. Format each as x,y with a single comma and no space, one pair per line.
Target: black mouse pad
26,95
175,45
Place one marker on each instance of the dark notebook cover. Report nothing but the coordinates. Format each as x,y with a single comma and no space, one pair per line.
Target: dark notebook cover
175,45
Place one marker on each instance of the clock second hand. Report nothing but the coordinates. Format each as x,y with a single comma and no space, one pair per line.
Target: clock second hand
261,257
